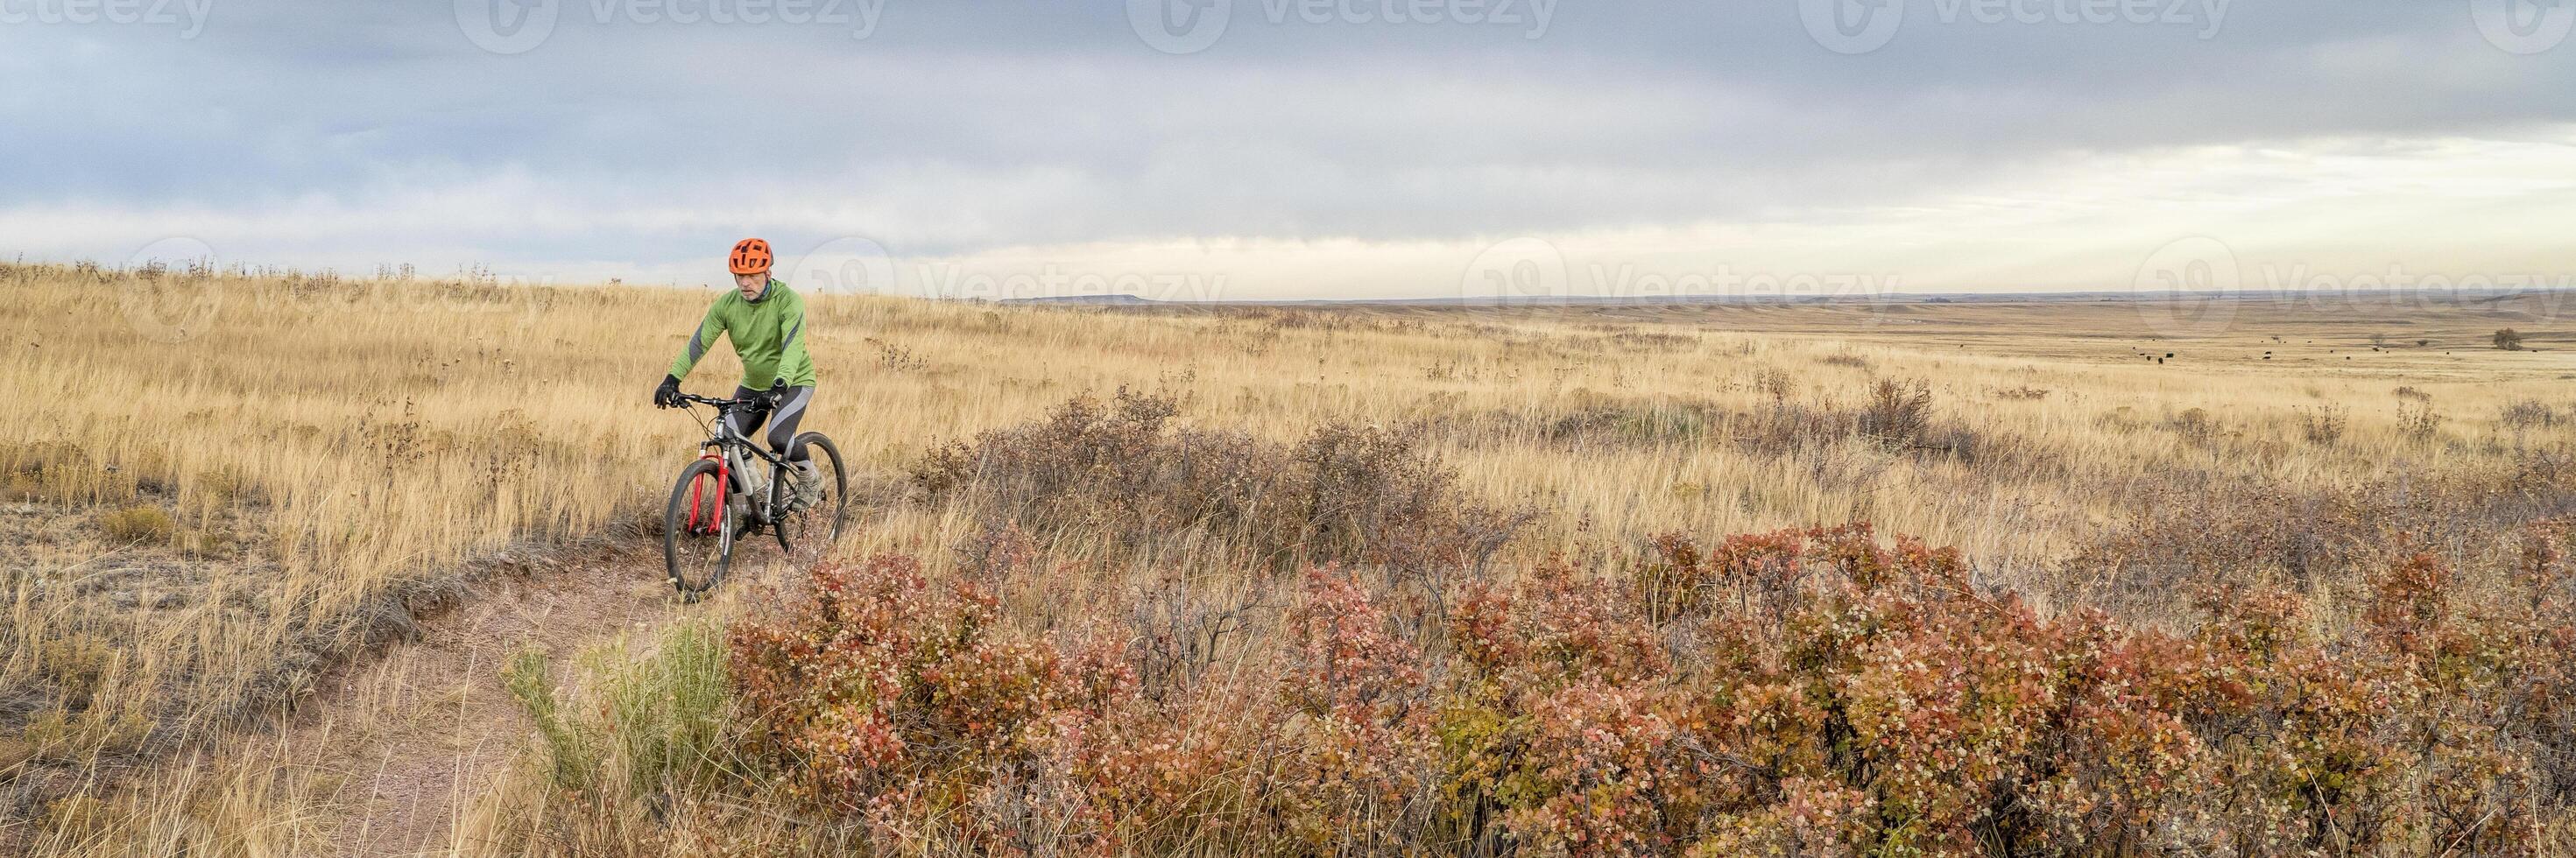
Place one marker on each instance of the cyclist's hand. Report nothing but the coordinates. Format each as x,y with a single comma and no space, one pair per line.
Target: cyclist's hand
777,393
668,394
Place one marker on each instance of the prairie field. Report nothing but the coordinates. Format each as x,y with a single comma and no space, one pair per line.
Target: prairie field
302,564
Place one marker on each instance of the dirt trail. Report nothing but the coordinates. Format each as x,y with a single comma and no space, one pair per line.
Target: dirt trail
412,734
416,733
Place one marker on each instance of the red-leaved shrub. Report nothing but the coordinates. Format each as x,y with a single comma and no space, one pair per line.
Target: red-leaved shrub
1804,692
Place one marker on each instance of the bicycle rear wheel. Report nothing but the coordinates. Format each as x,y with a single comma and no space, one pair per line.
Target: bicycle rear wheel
808,533
698,529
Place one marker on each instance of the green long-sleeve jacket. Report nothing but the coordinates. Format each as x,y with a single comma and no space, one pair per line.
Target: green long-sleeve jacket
769,335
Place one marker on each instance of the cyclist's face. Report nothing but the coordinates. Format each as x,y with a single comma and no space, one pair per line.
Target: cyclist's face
751,284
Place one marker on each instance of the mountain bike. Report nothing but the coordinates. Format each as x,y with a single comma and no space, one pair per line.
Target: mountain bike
723,496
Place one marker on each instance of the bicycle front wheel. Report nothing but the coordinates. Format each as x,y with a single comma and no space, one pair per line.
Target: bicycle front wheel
698,529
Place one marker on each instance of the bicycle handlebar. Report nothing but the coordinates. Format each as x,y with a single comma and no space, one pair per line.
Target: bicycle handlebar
720,404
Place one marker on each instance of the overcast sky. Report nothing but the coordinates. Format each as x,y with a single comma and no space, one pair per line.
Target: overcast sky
1276,149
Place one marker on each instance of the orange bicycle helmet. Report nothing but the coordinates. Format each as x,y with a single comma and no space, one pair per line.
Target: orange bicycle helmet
750,257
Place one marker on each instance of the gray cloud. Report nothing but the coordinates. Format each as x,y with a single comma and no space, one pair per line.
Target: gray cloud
954,128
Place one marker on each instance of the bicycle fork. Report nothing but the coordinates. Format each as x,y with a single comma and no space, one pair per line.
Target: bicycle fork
704,513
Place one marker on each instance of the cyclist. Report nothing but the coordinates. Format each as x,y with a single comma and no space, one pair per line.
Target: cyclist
767,323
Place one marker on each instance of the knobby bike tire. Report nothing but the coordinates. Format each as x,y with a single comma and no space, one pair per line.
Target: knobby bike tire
691,574
836,502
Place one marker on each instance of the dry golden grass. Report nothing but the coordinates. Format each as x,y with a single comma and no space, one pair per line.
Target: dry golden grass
320,450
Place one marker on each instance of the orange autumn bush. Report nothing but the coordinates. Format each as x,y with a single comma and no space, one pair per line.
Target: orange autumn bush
1804,692
878,688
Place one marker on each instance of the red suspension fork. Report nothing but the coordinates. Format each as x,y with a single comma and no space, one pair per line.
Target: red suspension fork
711,512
